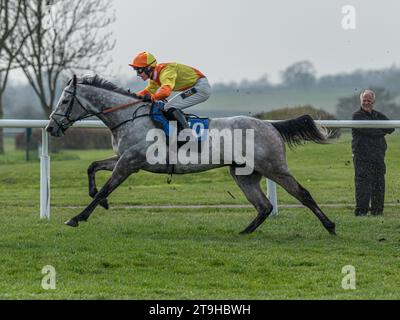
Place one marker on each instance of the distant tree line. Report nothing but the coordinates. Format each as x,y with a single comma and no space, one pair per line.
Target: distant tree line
302,75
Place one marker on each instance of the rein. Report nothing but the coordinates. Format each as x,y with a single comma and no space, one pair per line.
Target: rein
121,106
134,117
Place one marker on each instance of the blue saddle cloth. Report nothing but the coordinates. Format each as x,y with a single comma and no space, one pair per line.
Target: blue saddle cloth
161,119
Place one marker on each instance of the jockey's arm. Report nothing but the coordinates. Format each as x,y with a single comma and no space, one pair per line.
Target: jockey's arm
150,89
143,93
163,93
167,78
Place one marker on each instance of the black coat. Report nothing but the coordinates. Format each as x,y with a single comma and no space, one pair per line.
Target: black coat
369,144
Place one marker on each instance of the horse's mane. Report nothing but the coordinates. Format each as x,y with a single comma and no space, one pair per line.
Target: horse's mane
97,81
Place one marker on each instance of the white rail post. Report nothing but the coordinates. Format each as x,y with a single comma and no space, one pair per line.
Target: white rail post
272,196
45,177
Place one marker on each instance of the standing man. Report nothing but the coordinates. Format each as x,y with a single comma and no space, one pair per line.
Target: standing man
369,147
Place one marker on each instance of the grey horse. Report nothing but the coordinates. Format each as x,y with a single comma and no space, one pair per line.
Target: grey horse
127,118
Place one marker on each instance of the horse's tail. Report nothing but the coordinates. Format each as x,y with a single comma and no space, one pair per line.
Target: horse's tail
296,131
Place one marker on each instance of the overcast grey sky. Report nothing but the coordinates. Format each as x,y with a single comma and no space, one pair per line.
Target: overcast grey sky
235,39
230,40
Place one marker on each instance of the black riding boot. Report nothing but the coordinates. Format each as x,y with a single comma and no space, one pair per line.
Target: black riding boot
180,117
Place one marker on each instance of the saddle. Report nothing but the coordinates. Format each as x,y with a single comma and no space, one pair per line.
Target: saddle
161,119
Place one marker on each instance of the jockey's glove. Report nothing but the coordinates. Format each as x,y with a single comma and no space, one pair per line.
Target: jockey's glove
147,98
135,95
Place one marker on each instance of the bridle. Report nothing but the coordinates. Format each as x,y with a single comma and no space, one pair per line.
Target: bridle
65,125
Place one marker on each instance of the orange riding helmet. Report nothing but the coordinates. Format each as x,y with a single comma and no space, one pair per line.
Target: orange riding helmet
143,60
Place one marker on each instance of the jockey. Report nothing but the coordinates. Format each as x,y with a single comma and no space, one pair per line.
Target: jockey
164,78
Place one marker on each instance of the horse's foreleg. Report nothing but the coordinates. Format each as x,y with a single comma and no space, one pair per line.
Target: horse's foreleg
250,185
289,183
123,169
106,164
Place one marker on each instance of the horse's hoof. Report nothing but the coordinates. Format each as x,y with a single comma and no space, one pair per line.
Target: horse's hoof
256,223
104,204
331,229
246,231
71,223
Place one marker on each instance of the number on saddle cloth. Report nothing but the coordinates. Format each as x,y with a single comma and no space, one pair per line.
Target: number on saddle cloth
200,126
161,120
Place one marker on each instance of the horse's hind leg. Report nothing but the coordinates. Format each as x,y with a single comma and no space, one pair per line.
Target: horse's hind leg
106,164
290,184
250,185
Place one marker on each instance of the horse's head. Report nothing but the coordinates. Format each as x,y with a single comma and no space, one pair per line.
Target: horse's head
69,109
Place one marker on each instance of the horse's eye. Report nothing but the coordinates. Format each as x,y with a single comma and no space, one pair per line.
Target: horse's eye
65,101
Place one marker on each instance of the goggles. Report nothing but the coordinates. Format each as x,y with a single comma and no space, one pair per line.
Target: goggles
139,69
